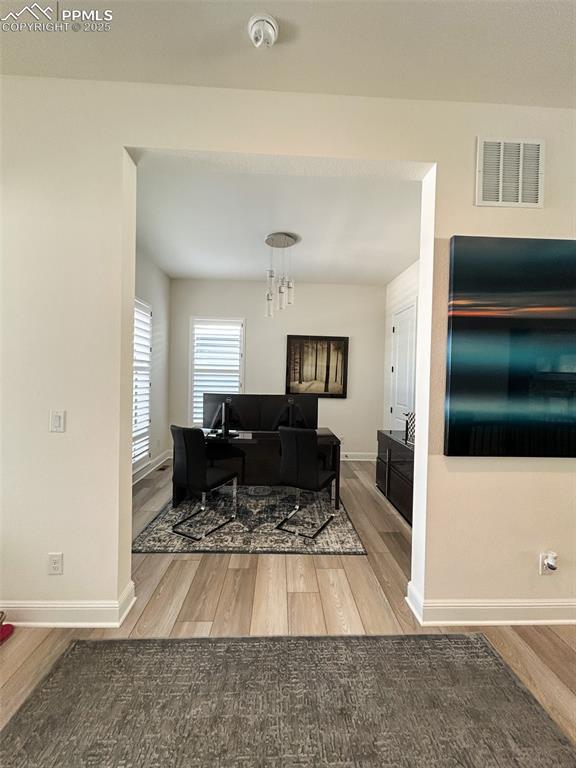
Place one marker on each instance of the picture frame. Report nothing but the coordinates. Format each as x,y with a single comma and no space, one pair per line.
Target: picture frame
511,348
317,365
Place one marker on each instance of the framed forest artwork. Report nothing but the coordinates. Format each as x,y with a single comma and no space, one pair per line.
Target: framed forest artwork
317,365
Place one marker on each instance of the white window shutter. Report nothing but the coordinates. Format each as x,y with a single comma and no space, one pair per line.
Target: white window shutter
217,360
141,384
510,173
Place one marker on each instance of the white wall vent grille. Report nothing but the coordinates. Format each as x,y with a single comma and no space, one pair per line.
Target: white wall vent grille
510,173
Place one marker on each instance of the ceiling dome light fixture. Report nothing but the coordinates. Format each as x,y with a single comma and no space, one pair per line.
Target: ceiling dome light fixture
263,30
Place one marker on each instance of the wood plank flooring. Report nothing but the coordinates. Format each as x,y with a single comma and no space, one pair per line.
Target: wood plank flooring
149,496
203,595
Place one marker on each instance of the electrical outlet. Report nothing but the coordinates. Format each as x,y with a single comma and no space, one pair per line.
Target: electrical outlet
55,563
57,421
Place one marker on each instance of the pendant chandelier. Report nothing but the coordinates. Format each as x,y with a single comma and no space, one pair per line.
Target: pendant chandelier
279,276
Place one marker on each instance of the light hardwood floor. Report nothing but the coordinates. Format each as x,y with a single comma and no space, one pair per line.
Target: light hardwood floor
229,595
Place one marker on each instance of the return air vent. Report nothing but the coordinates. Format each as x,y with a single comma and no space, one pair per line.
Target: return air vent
510,173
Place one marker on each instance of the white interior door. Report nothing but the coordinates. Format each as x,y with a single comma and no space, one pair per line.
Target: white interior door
403,364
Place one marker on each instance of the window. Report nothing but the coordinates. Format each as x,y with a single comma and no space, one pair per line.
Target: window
217,360
141,384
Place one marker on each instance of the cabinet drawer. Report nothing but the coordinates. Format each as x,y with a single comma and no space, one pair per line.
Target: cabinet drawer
404,468
381,474
400,494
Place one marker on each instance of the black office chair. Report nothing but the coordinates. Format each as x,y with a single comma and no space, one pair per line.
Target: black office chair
219,450
192,476
299,469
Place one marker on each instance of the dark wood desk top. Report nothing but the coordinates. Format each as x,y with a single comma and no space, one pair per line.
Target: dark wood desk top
325,435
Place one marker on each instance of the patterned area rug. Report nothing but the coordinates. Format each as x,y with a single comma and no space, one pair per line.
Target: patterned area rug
360,702
253,531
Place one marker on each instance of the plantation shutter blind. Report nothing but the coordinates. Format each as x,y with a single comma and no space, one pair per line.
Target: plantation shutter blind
141,383
217,360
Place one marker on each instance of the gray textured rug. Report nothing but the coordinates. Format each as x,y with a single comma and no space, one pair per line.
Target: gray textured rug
253,531
359,702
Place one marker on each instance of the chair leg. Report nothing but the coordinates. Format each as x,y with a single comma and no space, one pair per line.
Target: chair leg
292,512
297,505
235,496
203,509
297,509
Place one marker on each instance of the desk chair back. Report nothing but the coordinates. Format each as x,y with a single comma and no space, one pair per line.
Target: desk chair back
299,462
190,463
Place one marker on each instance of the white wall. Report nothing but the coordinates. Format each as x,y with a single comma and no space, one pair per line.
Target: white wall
153,287
337,310
400,293
68,254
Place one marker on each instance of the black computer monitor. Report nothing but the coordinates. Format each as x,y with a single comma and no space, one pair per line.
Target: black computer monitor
289,411
260,412
242,411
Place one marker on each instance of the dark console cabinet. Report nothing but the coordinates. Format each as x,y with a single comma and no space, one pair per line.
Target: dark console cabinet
395,471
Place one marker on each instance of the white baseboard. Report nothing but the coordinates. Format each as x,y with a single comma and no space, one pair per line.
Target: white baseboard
432,613
126,601
151,466
348,456
70,613
414,600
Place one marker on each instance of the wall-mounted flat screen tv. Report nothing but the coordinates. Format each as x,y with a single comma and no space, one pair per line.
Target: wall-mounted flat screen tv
511,374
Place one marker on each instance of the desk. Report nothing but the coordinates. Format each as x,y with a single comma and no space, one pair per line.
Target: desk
262,451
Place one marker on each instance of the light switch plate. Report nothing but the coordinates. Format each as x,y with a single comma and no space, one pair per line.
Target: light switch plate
57,421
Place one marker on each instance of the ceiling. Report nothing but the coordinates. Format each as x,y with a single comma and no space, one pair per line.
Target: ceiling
206,216
520,52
